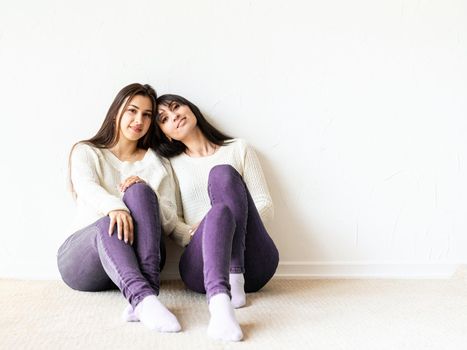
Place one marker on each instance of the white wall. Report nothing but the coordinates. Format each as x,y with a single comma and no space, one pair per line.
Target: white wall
357,109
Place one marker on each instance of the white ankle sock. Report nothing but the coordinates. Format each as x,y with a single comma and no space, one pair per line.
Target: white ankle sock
154,315
128,315
223,325
237,289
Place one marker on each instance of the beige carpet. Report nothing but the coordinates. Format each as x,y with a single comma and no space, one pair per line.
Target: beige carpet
287,314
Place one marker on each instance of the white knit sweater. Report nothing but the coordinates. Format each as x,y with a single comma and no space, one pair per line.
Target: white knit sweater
96,174
192,176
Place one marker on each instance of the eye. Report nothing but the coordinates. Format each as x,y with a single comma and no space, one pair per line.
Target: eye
132,110
175,106
148,115
162,119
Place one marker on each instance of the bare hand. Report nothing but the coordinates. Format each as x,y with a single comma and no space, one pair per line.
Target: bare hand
124,223
130,181
193,229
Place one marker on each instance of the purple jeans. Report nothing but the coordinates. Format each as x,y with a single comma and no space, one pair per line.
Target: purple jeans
91,260
231,238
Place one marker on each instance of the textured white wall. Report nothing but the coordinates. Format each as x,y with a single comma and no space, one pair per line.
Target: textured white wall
357,109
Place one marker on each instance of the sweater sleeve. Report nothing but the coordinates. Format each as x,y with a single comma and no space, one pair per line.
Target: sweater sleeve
256,183
86,181
172,221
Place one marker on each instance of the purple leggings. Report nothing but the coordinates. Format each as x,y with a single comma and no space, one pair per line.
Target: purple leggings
231,238
91,260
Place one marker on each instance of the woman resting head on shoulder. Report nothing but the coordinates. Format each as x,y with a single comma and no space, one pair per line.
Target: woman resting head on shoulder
225,199
124,193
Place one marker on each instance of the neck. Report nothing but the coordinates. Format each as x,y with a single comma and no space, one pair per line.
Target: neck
125,149
198,145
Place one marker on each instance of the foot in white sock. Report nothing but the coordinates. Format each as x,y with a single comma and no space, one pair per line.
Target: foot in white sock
154,315
128,315
223,325
237,289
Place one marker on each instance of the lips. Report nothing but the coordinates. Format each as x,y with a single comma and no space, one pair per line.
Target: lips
181,122
136,129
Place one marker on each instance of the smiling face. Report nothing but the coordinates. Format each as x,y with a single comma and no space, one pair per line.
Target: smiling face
135,120
176,120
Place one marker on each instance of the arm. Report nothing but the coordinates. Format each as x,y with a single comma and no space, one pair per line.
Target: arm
170,204
87,184
256,183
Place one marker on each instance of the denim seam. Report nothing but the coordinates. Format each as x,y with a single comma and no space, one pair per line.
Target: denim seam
114,265
155,204
239,178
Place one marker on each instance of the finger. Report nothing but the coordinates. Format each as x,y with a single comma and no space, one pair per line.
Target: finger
125,228
132,232
122,185
111,225
130,181
119,227
125,184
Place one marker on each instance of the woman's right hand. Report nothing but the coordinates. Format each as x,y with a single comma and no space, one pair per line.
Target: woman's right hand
124,223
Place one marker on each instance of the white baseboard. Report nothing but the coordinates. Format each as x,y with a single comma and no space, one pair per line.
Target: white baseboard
357,270
302,270
348,270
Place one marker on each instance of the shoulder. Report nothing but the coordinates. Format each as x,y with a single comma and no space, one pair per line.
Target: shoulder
238,145
155,158
179,159
84,150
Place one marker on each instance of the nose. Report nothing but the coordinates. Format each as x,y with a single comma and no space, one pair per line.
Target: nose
138,118
175,116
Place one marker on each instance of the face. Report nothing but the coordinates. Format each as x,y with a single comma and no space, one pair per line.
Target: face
176,121
136,118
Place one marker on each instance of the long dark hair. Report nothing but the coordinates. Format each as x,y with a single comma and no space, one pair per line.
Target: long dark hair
108,134
169,148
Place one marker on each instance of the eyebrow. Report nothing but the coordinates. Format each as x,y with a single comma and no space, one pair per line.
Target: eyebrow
147,110
162,105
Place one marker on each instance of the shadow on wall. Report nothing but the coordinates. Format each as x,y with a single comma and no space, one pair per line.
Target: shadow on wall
290,231
174,252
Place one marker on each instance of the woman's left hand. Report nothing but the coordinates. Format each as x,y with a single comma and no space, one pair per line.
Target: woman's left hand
130,181
193,229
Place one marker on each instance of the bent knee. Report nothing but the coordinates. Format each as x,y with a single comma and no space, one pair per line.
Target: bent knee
84,278
138,190
223,172
221,214
74,281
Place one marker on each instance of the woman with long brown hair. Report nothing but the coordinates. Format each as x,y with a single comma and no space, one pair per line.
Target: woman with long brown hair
125,197
225,199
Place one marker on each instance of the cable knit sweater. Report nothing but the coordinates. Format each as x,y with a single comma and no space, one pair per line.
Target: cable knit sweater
96,174
192,175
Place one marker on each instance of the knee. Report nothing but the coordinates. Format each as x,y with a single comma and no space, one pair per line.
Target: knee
74,283
223,174
221,215
75,276
223,171
138,191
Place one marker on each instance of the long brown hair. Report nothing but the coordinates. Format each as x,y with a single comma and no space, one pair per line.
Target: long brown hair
108,134
170,148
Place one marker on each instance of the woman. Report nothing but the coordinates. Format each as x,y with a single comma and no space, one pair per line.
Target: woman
124,193
228,250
